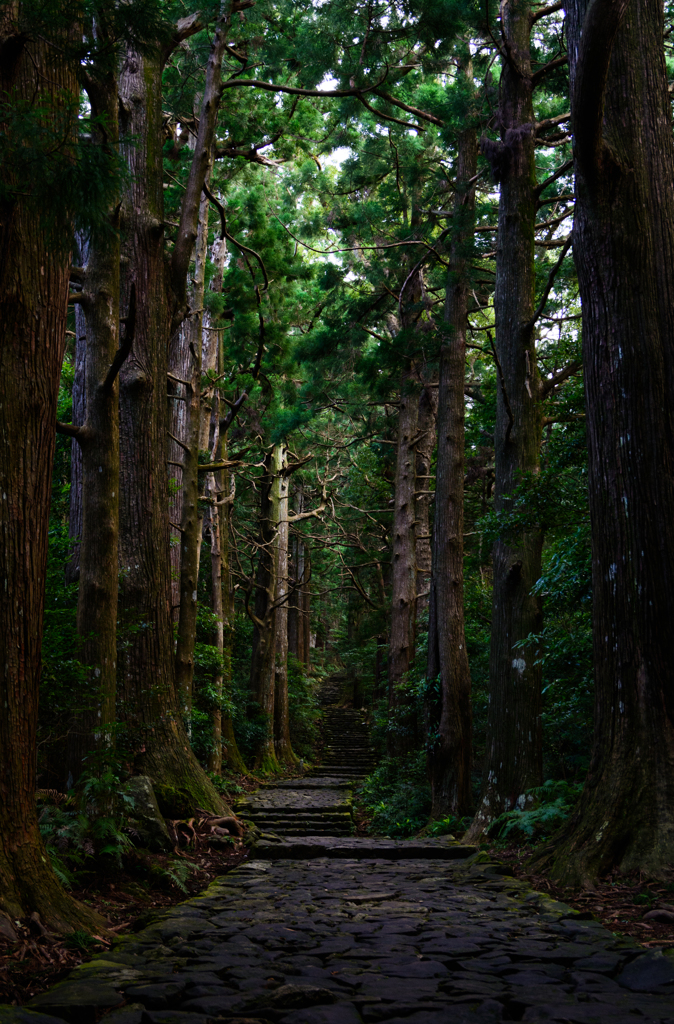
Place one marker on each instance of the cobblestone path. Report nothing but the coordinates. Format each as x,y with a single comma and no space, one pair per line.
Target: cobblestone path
342,939
326,928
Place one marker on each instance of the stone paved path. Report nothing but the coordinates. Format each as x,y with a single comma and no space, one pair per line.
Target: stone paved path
348,940
326,928
321,803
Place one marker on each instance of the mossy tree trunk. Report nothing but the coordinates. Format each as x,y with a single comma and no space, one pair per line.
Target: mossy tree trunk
146,682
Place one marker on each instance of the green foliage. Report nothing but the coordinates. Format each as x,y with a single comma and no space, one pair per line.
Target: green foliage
304,709
398,796
554,802
451,825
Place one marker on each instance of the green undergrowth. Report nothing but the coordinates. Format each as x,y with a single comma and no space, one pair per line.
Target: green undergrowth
553,803
397,796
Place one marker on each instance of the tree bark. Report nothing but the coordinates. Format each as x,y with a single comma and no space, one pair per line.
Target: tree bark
72,569
448,706
98,439
402,728
146,680
34,274
513,761
426,417
192,520
305,617
623,243
262,666
282,744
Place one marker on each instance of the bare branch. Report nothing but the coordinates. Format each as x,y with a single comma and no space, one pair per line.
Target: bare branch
558,378
124,349
549,283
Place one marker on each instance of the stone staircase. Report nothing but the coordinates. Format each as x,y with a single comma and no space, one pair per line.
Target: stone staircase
319,804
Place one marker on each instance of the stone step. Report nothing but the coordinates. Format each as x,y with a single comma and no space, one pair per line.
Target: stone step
298,848
288,814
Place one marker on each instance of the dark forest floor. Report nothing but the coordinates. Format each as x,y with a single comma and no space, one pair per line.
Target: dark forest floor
619,903
36,962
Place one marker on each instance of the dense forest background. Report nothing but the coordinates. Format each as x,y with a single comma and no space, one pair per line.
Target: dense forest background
346,368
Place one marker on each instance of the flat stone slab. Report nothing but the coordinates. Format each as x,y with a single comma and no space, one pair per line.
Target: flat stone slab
300,847
322,799
313,782
353,940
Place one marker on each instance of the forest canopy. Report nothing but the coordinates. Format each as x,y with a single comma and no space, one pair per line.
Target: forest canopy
338,339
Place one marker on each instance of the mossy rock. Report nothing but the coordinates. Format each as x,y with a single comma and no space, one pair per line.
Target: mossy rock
174,801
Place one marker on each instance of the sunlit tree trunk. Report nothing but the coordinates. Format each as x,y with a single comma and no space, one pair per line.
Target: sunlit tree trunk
284,750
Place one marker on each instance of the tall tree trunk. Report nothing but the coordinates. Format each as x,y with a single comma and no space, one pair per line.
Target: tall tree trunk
293,603
428,408
146,679
513,761
72,569
305,616
221,487
402,728
284,750
192,520
262,666
98,438
624,252
222,721
34,275
448,710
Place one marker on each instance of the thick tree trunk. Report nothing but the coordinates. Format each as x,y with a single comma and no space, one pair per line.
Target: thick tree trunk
428,408
513,751
98,438
449,716
146,682
282,744
262,666
192,520
401,727
33,302
624,252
